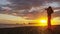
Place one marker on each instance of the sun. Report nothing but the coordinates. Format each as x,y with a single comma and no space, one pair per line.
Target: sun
43,22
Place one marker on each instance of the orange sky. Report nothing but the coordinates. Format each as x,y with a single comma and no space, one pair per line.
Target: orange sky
32,9
10,19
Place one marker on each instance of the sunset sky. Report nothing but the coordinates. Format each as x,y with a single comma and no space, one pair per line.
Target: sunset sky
13,11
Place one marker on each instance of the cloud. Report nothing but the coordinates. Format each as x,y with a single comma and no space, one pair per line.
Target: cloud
56,14
6,8
25,4
4,2
26,7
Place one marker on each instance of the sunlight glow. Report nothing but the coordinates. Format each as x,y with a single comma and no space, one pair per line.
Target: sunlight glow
55,21
43,22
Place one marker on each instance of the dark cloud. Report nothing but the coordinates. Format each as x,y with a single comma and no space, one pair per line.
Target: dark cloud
29,7
26,4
